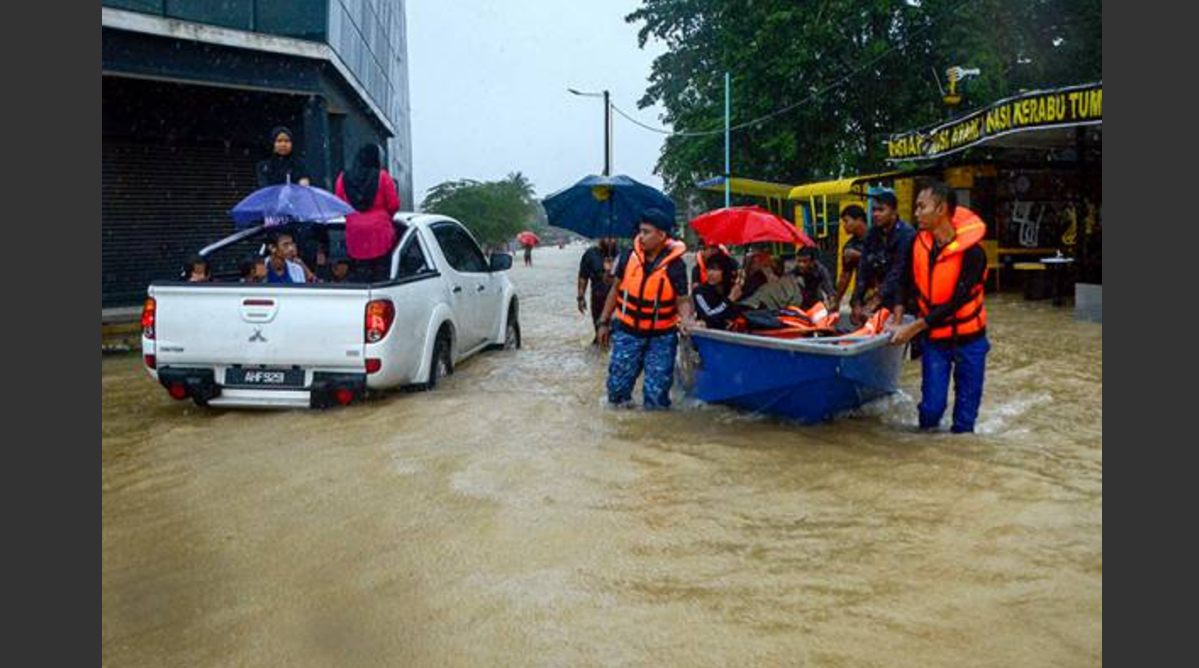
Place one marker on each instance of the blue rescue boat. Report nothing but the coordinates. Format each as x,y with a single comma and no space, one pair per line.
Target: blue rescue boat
808,380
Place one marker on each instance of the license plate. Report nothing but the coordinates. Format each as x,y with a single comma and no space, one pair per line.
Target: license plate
290,378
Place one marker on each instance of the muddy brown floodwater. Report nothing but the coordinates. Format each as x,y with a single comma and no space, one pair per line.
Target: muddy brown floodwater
509,519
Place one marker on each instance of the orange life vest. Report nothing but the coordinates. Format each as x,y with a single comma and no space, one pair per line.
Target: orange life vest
797,322
936,281
647,302
877,324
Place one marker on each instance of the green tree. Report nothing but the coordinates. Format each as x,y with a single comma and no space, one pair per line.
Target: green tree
848,72
494,211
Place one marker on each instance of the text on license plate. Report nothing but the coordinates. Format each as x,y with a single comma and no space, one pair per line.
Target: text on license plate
273,377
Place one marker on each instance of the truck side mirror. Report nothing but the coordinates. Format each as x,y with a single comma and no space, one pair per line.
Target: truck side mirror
500,262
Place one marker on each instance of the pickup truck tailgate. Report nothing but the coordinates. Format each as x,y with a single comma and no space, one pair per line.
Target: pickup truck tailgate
317,327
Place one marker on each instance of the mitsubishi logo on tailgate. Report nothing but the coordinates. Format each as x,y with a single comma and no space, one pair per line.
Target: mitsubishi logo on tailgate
257,337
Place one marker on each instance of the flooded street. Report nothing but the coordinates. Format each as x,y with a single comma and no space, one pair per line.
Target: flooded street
509,519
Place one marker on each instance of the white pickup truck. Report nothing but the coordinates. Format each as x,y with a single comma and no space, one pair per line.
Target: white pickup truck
326,344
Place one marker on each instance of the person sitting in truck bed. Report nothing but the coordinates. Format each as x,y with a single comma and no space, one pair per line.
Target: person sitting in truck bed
198,270
279,268
252,270
341,270
293,255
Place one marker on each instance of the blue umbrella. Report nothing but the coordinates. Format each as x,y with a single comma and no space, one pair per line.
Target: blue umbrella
603,206
289,203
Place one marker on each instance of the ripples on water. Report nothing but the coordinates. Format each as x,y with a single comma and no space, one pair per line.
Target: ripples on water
509,518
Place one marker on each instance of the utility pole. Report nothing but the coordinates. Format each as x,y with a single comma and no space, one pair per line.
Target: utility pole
728,169
607,135
607,125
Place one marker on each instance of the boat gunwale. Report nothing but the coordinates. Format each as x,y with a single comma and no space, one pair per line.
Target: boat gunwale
833,346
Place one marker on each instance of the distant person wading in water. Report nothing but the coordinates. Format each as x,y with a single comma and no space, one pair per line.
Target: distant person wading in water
595,268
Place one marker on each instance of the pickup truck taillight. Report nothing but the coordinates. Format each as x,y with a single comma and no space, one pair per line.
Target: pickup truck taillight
149,312
380,314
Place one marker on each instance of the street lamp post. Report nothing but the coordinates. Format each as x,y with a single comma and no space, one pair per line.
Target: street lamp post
728,151
607,125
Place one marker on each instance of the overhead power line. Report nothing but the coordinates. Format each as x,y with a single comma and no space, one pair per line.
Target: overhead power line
778,112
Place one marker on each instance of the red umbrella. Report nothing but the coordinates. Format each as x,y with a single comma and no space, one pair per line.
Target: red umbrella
527,238
741,225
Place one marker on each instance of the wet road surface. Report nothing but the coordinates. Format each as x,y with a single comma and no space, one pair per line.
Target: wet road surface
509,519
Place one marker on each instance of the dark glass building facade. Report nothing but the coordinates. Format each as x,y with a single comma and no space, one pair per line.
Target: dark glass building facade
191,90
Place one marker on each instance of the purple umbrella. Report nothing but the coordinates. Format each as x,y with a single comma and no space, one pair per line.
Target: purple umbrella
290,203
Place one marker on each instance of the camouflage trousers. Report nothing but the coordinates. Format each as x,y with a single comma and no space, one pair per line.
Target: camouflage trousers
633,354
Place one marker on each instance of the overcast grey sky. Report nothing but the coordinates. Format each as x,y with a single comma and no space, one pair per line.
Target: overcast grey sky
488,84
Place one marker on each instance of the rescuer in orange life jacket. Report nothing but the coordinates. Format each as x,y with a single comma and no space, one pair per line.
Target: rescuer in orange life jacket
649,303
946,278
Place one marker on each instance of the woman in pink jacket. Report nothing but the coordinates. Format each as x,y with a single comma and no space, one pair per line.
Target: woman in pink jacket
370,233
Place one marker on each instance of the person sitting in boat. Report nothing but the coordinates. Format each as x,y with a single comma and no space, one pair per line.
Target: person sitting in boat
760,269
815,281
714,306
776,290
710,255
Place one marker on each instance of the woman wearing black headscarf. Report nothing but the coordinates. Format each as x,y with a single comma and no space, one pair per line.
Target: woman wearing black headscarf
283,166
370,234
